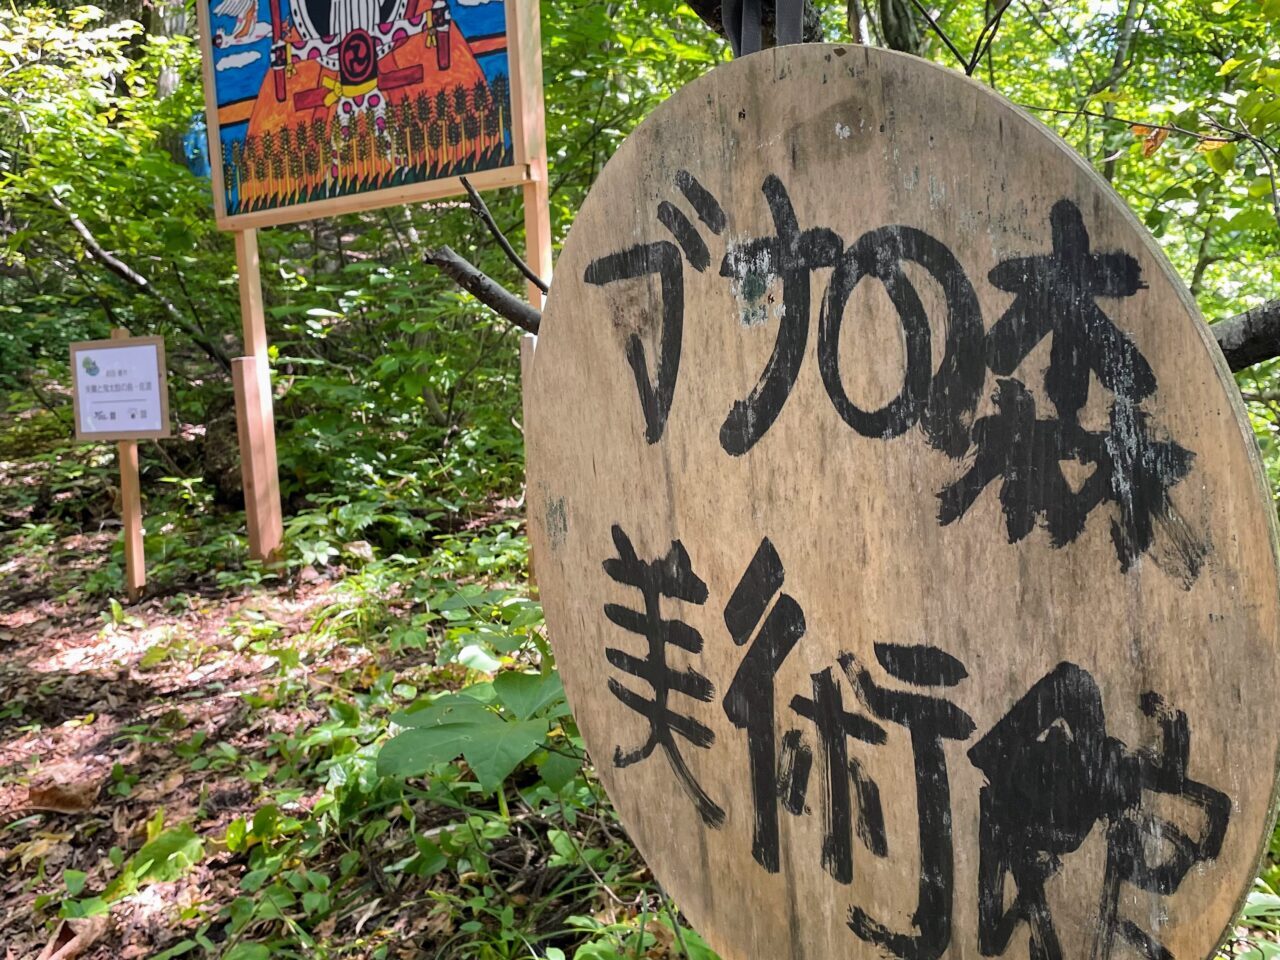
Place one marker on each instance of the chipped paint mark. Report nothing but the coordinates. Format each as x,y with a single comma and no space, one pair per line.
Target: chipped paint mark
557,522
749,277
842,131
937,192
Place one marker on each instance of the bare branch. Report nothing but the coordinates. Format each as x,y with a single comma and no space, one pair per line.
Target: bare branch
1250,337
481,210
131,276
1183,131
484,288
942,35
986,37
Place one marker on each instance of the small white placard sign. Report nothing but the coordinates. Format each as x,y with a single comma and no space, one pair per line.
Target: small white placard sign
121,391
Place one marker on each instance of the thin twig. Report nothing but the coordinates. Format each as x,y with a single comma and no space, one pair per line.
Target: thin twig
125,272
1133,123
992,25
933,25
482,211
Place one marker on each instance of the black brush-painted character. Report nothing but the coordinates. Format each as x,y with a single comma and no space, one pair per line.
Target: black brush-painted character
671,576
793,255
1130,468
1057,293
1026,454
664,259
749,701
930,721
835,727
1052,774
1142,471
942,402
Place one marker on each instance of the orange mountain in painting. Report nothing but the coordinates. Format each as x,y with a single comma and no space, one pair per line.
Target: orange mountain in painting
412,121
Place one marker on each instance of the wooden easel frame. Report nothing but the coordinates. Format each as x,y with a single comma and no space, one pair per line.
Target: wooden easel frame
252,373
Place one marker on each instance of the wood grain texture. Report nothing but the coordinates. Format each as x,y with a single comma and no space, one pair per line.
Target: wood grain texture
256,422
861,139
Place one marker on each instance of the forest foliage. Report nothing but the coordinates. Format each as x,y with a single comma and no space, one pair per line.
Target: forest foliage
398,411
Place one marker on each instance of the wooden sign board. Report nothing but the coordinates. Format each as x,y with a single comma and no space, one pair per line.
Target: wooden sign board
321,107
120,389
901,538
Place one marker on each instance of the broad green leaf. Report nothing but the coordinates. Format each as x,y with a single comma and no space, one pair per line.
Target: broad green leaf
450,708
169,855
418,749
499,750
74,880
477,658
492,748
79,909
558,770
526,694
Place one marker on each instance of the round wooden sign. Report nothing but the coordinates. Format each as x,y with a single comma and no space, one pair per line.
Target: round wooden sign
901,539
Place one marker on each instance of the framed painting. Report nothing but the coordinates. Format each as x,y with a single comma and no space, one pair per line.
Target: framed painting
320,107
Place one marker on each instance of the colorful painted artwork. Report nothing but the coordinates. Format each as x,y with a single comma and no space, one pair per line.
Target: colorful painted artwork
320,99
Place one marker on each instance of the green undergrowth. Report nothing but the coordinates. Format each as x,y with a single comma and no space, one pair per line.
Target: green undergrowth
438,800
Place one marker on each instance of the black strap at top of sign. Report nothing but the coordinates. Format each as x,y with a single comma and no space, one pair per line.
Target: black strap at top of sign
741,20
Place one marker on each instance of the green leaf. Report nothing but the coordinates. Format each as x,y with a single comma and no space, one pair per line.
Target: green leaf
431,859
235,835
416,750
526,694
1222,159
74,879
79,909
169,855
501,749
477,658
558,771
177,950
248,951
450,708
252,881
492,748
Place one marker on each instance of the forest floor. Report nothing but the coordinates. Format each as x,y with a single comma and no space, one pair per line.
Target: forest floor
93,710
175,780
198,774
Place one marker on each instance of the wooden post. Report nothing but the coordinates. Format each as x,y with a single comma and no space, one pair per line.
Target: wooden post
525,45
255,422
528,343
135,563
253,466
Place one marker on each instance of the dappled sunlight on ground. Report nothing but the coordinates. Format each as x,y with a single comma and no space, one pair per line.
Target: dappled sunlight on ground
95,704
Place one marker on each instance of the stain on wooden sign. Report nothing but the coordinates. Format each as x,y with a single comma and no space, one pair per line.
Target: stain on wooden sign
901,539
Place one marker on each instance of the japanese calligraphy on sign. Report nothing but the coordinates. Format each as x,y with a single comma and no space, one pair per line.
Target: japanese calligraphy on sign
905,555
120,389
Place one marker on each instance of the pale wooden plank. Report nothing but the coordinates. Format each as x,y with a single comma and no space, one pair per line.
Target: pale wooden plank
253,462
135,563
862,139
258,441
